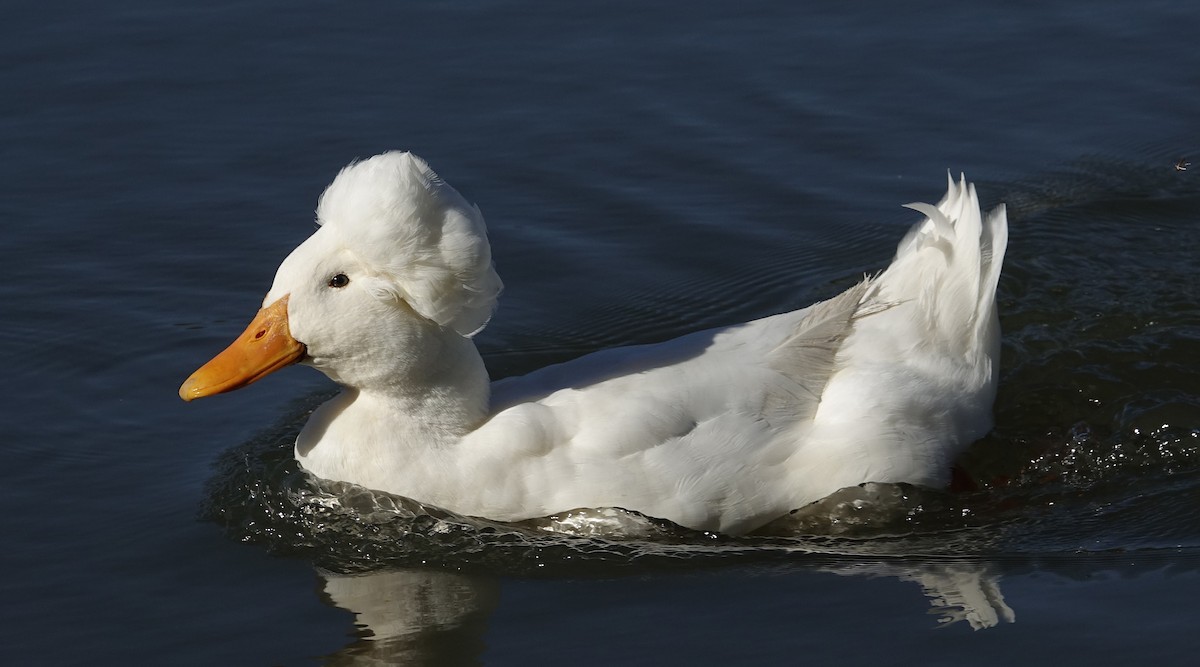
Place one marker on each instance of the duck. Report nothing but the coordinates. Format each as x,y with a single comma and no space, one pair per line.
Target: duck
720,430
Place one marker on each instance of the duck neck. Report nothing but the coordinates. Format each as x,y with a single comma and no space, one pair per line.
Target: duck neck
442,399
402,427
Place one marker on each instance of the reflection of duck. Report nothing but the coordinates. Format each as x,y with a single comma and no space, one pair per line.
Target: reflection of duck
723,429
964,591
436,617
957,591
414,617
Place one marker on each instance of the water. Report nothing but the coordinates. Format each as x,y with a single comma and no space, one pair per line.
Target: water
646,170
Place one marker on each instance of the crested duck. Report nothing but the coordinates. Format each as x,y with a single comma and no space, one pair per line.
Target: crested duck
723,430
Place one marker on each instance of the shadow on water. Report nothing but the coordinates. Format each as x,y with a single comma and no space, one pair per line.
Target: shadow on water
1095,455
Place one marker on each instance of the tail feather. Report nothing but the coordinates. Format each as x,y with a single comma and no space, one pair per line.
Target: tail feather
993,245
949,265
914,382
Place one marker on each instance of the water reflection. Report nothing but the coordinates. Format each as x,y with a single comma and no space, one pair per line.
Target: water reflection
420,617
413,617
965,593
957,591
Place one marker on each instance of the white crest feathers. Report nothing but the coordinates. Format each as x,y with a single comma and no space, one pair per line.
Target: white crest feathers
412,229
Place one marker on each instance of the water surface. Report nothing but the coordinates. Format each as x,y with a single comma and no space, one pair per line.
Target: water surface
645,171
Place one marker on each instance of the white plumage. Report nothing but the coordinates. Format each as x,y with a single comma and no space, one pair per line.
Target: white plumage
723,429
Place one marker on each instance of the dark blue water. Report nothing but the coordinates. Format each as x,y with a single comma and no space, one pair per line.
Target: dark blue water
646,169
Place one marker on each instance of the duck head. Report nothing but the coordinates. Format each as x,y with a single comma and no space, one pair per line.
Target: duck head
400,261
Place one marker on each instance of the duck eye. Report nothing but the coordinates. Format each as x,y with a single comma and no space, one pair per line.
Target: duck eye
339,281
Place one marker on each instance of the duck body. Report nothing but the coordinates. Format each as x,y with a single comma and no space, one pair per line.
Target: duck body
724,429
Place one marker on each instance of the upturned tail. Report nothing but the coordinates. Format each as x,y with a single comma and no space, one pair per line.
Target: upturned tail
949,265
914,377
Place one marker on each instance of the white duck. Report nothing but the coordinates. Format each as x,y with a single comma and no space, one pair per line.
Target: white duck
722,430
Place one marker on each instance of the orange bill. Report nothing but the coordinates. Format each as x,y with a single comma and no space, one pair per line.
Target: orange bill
263,348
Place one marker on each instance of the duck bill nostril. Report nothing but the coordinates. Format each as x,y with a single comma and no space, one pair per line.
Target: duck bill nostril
250,357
